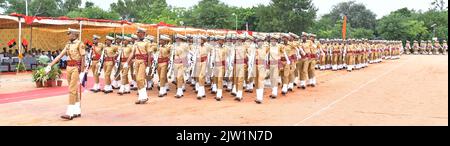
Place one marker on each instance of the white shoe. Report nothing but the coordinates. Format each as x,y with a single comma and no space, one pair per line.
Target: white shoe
251,86
214,87
275,91
77,108
284,88
127,88
302,83
70,110
114,84
122,89
229,85
142,94
334,67
350,67
259,94
219,94
291,86
234,89
239,94
180,92
162,90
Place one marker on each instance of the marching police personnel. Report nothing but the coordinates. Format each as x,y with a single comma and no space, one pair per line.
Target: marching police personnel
163,62
285,62
249,73
294,56
335,53
126,53
349,54
150,39
75,51
181,49
436,47
261,56
220,54
97,50
302,62
202,56
141,51
110,54
313,47
133,84
408,49
274,58
239,73
415,48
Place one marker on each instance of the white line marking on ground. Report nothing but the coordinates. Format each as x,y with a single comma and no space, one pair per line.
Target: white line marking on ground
347,95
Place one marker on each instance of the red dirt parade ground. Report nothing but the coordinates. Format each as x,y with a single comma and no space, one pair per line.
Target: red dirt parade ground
410,91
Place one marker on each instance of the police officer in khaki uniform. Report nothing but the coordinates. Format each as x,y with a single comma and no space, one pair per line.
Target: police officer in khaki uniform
313,46
415,48
249,76
335,53
97,50
126,53
201,68
349,54
110,54
294,56
240,54
220,54
275,51
181,49
150,39
261,57
141,52
302,62
115,83
285,62
75,50
408,49
133,83
436,47
165,49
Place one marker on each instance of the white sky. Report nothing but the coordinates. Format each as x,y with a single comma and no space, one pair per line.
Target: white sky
379,7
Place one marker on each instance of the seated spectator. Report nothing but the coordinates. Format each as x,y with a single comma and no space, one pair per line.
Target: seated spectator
16,53
4,51
9,54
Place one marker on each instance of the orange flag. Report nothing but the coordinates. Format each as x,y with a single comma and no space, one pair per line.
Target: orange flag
344,28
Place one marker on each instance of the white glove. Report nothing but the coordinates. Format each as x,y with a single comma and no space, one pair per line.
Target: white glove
147,70
125,65
48,69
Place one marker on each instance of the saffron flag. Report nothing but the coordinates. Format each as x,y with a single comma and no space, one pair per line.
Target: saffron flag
344,28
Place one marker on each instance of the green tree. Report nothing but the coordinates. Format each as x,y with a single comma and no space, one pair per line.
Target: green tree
361,33
94,13
210,14
89,4
286,16
357,14
14,6
45,8
70,5
397,26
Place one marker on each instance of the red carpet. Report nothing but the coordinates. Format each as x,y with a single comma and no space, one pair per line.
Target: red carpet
41,92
